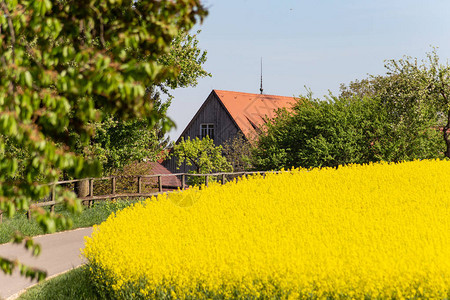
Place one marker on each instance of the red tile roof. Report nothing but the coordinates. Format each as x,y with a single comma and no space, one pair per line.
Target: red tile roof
250,110
157,169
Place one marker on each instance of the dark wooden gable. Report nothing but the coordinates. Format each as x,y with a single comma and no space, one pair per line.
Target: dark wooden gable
212,112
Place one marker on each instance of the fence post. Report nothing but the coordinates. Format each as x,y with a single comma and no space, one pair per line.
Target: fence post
52,198
113,186
139,185
81,188
223,179
91,191
206,180
183,181
159,183
91,187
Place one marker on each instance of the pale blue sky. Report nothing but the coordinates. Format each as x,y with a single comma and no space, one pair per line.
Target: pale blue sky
316,43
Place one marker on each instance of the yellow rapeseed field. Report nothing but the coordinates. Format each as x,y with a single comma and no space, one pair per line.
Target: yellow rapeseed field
371,231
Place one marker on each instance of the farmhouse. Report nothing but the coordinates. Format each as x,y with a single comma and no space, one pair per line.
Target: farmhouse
225,115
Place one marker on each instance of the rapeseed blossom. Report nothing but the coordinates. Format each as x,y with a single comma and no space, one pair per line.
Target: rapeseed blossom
359,231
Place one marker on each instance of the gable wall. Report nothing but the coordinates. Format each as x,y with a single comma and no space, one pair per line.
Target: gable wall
212,112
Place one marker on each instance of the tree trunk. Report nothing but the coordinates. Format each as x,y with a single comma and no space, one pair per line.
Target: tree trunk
446,128
82,188
447,142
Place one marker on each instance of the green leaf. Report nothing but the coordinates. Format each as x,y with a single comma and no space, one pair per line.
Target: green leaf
62,81
28,79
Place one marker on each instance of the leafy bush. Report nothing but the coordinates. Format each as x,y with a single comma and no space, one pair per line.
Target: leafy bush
342,131
201,156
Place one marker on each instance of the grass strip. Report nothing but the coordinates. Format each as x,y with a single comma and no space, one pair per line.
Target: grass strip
74,284
98,213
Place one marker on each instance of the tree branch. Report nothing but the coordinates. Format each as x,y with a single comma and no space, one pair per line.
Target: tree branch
102,38
82,33
11,27
31,53
447,126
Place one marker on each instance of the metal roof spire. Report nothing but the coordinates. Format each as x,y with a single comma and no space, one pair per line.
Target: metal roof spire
261,88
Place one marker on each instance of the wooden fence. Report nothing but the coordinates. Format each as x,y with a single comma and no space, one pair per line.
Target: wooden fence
132,186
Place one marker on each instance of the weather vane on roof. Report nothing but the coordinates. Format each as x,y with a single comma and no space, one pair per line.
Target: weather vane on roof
261,88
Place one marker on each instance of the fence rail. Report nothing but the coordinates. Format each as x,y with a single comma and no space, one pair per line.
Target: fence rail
133,186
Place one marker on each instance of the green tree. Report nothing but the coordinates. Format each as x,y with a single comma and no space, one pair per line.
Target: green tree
423,96
188,58
323,134
118,142
414,97
202,155
399,116
64,66
238,152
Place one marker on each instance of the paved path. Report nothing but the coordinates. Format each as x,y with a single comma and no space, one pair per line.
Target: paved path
60,253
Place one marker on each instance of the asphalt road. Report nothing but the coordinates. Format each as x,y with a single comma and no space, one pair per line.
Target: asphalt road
60,253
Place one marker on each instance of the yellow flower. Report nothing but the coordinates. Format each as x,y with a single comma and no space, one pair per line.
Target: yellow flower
378,230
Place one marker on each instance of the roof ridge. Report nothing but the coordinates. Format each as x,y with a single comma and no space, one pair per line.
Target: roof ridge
249,111
255,94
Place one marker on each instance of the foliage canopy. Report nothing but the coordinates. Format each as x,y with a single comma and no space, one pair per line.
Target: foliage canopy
119,142
65,65
202,155
403,115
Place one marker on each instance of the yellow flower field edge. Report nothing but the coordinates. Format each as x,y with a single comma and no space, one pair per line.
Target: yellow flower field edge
360,231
